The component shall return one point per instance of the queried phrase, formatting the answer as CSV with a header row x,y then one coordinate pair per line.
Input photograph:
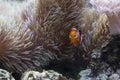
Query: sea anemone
x,y
35,32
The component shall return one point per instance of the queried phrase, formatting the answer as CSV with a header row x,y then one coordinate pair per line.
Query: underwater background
x,y
59,40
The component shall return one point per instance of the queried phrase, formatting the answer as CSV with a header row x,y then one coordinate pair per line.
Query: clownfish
x,y
75,37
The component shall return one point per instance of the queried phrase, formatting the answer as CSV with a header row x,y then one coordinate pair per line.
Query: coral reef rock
x,y
87,75
114,77
45,75
5,75
105,62
110,53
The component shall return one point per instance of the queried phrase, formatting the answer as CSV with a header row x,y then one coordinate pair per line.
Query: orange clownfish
x,y
75,37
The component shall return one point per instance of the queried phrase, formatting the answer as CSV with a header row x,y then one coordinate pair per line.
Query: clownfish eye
x,y
74,36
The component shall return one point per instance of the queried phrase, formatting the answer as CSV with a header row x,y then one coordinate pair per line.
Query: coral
x,y
34,75
45,75
5,75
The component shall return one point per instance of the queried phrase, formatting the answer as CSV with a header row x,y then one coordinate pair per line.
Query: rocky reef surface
x,y
34,75
105,62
